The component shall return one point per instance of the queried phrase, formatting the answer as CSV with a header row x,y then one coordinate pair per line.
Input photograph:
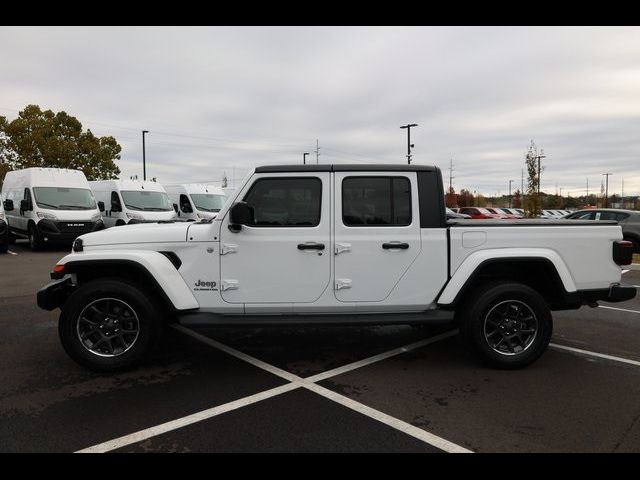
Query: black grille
x,y
75,227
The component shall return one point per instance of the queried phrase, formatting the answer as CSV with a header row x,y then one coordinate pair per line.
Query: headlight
x,y
46,216
96,217
135,216
2,216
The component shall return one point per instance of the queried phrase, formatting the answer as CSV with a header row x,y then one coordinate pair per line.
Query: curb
x,y
633,266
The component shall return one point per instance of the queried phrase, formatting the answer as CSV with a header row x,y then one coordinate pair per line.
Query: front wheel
x,y
508,325
36,241
109,325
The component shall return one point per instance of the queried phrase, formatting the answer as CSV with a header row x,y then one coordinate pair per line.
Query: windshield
x,y
59,198
208,201
147,201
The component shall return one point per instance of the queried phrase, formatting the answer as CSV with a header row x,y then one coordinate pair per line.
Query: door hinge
x,y
229,285
228,248
343,283
342,247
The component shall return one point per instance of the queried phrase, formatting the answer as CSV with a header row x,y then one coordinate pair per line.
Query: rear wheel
x,y
109,325
507,325
4,242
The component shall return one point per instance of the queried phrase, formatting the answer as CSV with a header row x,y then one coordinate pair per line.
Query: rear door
x,y
377,233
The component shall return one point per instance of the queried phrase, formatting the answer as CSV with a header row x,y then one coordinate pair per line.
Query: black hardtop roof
x,y
362,167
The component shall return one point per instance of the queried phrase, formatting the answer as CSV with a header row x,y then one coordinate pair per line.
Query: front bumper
x,y
54,294
615,293
58,231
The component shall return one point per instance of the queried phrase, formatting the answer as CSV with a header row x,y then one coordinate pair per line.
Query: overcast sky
x,y
227,99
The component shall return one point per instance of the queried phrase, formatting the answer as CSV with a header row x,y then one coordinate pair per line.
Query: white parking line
x,y
188,420
619,309
382,356
395,423
12,253
595,354
295,382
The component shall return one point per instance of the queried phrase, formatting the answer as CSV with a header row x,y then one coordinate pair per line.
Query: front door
x,y
284,255
377,233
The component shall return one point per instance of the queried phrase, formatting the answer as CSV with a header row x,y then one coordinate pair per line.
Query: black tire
x,y
4,243
36,240
509,343
150,323
12,238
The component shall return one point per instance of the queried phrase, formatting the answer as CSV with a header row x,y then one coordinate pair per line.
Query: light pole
x,y
304,158
144,159
606,195
510,182
409,144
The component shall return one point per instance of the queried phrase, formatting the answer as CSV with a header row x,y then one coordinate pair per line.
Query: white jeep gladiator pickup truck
x,y
334,244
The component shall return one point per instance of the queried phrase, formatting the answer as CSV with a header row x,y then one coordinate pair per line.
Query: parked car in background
x,y
505,212
49,205
195,201
513,212
4,231
451,214
479,213
132,201
629,220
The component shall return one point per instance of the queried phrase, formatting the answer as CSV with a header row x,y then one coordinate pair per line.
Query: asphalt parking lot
x,y
330,389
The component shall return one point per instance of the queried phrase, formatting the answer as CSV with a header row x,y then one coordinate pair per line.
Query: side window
x,y
585,216
115,200
285,202
185,204
382,201
27,194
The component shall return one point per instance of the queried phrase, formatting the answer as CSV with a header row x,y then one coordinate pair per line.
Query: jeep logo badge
x,y
204,285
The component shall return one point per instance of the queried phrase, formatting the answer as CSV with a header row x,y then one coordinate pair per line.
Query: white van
x,y
132,201
49,205
196,201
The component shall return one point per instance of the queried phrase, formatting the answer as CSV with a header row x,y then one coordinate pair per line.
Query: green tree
x,y
533,205
39,138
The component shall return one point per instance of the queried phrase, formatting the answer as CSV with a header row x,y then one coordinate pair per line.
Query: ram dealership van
x,y
196,201
132,201
4,231
49,205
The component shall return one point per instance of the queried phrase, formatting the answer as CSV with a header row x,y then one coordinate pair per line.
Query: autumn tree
x,y
533,204
451,199
39,138
465,198
517,199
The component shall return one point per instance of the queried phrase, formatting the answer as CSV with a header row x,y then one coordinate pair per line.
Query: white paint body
x,y
261,270
182,193
107,191
19,185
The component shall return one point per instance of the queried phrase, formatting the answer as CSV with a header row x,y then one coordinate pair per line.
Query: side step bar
x,y
209,318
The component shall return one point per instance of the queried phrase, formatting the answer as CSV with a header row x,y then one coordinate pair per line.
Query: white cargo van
x,y
49,205
196,201
132,201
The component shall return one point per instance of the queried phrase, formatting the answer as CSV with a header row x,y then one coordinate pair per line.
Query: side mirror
x,y
175,207
116,207
8,205
241,214
25,205
101,206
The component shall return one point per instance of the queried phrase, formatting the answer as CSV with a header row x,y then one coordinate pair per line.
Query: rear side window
x,y
285,202
617,216
380,201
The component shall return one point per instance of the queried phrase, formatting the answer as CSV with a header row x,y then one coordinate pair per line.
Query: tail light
x,y
622,252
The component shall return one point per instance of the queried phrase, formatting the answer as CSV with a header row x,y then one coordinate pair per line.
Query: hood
x,y
138,233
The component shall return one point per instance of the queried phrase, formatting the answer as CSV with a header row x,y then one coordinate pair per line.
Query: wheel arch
x,y
542,273
152,270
